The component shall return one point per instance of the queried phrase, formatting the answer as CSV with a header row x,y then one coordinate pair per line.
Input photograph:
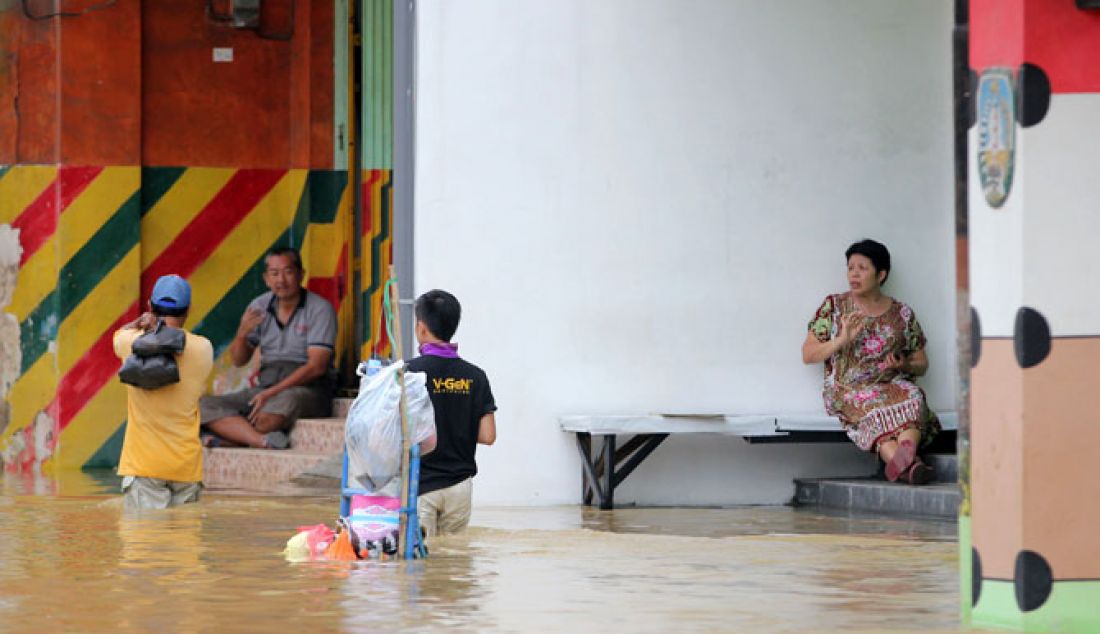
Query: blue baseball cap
x,y
171,292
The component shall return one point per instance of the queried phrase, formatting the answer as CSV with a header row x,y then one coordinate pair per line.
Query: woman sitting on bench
x,y
873,347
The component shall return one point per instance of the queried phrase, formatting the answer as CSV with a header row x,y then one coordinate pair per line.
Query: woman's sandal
x,y
902,460
920,473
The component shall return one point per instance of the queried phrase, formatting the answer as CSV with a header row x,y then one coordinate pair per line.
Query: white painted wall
x,y
640,203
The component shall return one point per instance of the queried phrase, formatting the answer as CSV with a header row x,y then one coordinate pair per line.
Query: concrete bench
x,y
605,468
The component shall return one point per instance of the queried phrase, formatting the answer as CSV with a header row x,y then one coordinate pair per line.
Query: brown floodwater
x,y
73,561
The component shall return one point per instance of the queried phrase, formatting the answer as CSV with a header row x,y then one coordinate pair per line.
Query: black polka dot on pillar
x,y
975,576
975,337
1034,580
1031,337
972,100
1032,95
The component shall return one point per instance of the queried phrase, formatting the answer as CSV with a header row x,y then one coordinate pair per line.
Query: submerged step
x,y
224,466
861,494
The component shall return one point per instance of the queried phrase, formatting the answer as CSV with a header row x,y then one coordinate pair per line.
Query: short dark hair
x,y
165,311
440,312
288,252
876,252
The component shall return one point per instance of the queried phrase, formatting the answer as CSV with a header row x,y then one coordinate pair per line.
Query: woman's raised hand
x,y
850,325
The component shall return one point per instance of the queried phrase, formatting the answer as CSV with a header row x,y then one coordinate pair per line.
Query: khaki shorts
x,y
154,493
292,404
446,511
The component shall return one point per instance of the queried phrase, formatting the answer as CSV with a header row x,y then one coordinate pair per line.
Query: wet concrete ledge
x,y
939,500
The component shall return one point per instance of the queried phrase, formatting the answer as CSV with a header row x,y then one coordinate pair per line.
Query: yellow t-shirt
x,y
162,429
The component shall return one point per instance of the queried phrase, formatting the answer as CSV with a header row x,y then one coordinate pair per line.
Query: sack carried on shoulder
x,y
153,362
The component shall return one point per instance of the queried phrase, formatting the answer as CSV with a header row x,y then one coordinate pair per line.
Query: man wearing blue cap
x,y
161,460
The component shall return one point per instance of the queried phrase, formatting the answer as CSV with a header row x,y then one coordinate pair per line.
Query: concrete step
x,y
331,467
318,435
939,499
323,475
341,405
227,468
945,464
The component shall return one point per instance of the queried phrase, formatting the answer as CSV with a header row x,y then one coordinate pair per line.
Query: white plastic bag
x,y
373,429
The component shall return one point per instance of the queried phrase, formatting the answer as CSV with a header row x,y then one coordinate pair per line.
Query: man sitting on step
x,y
295,331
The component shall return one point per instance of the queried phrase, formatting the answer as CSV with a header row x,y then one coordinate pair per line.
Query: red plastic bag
x,y
318,537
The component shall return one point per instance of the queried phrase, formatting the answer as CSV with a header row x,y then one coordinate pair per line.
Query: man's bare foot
x,y
212,441
276,440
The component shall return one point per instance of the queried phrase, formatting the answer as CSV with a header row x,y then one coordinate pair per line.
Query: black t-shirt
x,y
461,396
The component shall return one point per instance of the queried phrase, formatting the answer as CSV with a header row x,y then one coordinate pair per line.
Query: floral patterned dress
x,y
872,401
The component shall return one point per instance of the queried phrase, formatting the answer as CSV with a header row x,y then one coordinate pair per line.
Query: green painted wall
x,y
377,25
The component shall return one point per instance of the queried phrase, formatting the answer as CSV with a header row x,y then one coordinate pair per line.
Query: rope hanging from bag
x,y
387,309
408,505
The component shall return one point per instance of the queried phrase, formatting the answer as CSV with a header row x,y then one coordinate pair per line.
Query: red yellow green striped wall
x,y
94,240
377,254
77,281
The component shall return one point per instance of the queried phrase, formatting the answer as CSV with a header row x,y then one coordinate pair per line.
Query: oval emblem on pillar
x,y
996,134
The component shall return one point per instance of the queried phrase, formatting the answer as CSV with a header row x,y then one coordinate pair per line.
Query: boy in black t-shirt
x,y
464,418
